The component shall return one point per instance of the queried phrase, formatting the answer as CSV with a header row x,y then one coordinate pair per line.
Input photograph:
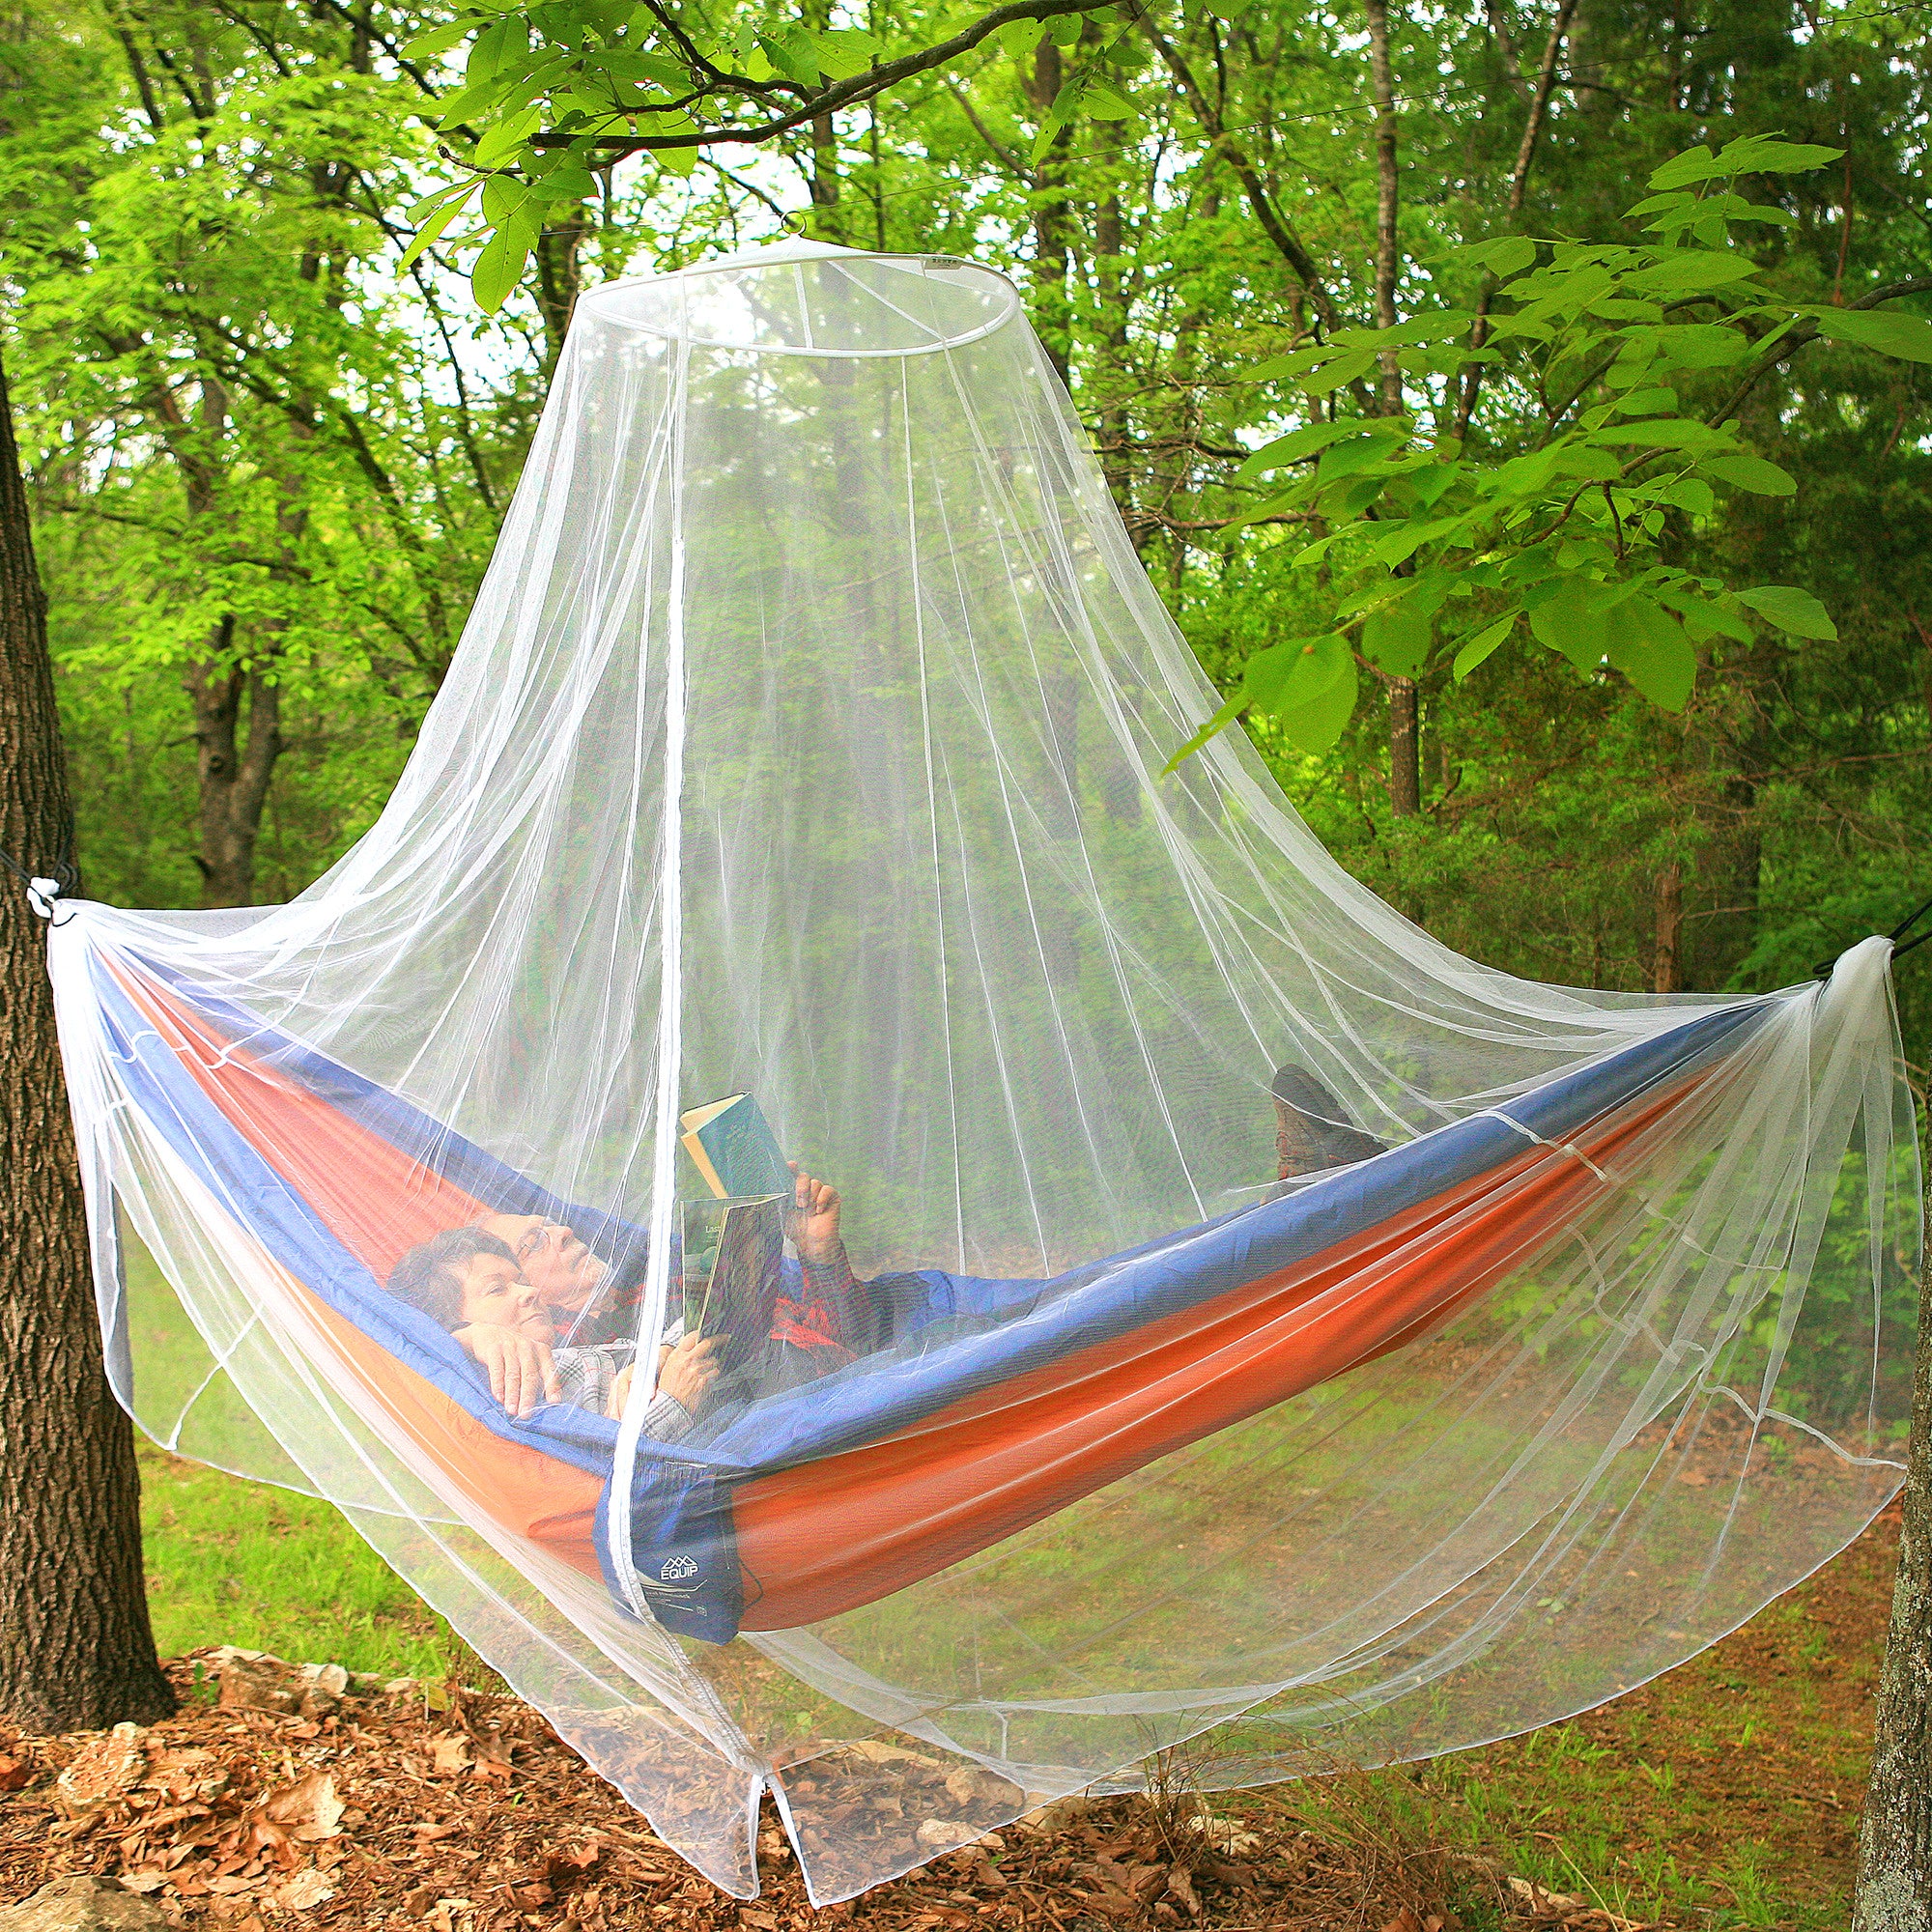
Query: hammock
x,y
806,740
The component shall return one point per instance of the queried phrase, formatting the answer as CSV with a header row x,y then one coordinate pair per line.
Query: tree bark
x,y
1665,975
234,776
1405,748
1403,699
560,278
1894,1881
77,1652
1518,187
1050,252
1110,278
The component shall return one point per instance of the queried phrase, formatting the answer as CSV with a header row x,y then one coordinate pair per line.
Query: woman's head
x,y
467,1276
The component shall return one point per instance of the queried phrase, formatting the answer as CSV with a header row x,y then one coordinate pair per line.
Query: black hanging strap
x,y
1823,969
44,888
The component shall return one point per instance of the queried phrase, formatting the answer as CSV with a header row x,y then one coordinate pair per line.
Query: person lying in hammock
x,y
821,1318
467,1281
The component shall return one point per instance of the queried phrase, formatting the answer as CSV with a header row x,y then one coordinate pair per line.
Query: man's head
x,y
466,1276
562,1270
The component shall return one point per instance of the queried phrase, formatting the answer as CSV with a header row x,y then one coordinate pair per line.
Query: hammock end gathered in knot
x,y
45,896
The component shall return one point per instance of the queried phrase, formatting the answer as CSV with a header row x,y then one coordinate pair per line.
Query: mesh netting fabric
x,y
807,742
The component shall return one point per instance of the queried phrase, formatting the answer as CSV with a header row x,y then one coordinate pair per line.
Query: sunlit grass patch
x,y
231,1561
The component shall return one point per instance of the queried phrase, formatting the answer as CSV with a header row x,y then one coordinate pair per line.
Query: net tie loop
x,y
43,892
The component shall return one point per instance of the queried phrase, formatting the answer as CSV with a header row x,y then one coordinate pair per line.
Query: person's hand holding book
x,y
687,1372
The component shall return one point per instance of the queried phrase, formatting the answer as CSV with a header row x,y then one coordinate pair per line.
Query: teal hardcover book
x,y
735,1148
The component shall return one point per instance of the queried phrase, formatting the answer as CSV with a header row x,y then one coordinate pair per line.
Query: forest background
x,y
269,452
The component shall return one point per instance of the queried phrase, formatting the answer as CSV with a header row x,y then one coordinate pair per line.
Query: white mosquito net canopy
x,y
1241,1321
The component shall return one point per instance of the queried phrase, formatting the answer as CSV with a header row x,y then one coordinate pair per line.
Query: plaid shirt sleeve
x,y
837,1302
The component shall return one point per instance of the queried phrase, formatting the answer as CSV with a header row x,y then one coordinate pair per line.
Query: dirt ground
x,y
356,1805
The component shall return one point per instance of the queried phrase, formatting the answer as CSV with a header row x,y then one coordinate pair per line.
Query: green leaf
x,y
1524,475
1308,686
1352,497
642,67
1397,638
440,39
1662,433
1019,38
1767,155
1593,465
1648,645
1509,256
1296,444
1442,328
506,39
1057,117
846,51
1405,538
1691,271
1432,481
1348,458
1791,609
458,191
1891,332
793,54
460,106
1704,618
499,268
1340,371
428,233
1571,621
1483,644
1220,722
1702,345
1692,165
1103,103
1745,471
1652,203
506,136
1692,494
1645,402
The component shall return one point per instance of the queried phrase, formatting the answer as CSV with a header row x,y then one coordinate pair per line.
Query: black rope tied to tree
x,y
46,888
1823,969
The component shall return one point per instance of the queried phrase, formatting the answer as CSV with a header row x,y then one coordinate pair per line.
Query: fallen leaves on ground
x,y
297,1796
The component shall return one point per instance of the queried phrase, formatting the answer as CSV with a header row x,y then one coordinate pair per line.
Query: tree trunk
x,y
1050,252
560,278
1110,278
77,1652
1666,972
1894,1884
1388,261
234,777
1405,724
1405,748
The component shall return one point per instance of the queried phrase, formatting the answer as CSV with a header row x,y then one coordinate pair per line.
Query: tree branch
x,y
1526,154
1802,337
847,92
1287,244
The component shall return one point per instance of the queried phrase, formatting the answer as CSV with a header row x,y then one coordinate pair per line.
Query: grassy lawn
x,y
236,1562
1725,1794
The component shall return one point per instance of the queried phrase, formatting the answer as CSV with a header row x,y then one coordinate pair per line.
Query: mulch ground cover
x,y
278,1797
